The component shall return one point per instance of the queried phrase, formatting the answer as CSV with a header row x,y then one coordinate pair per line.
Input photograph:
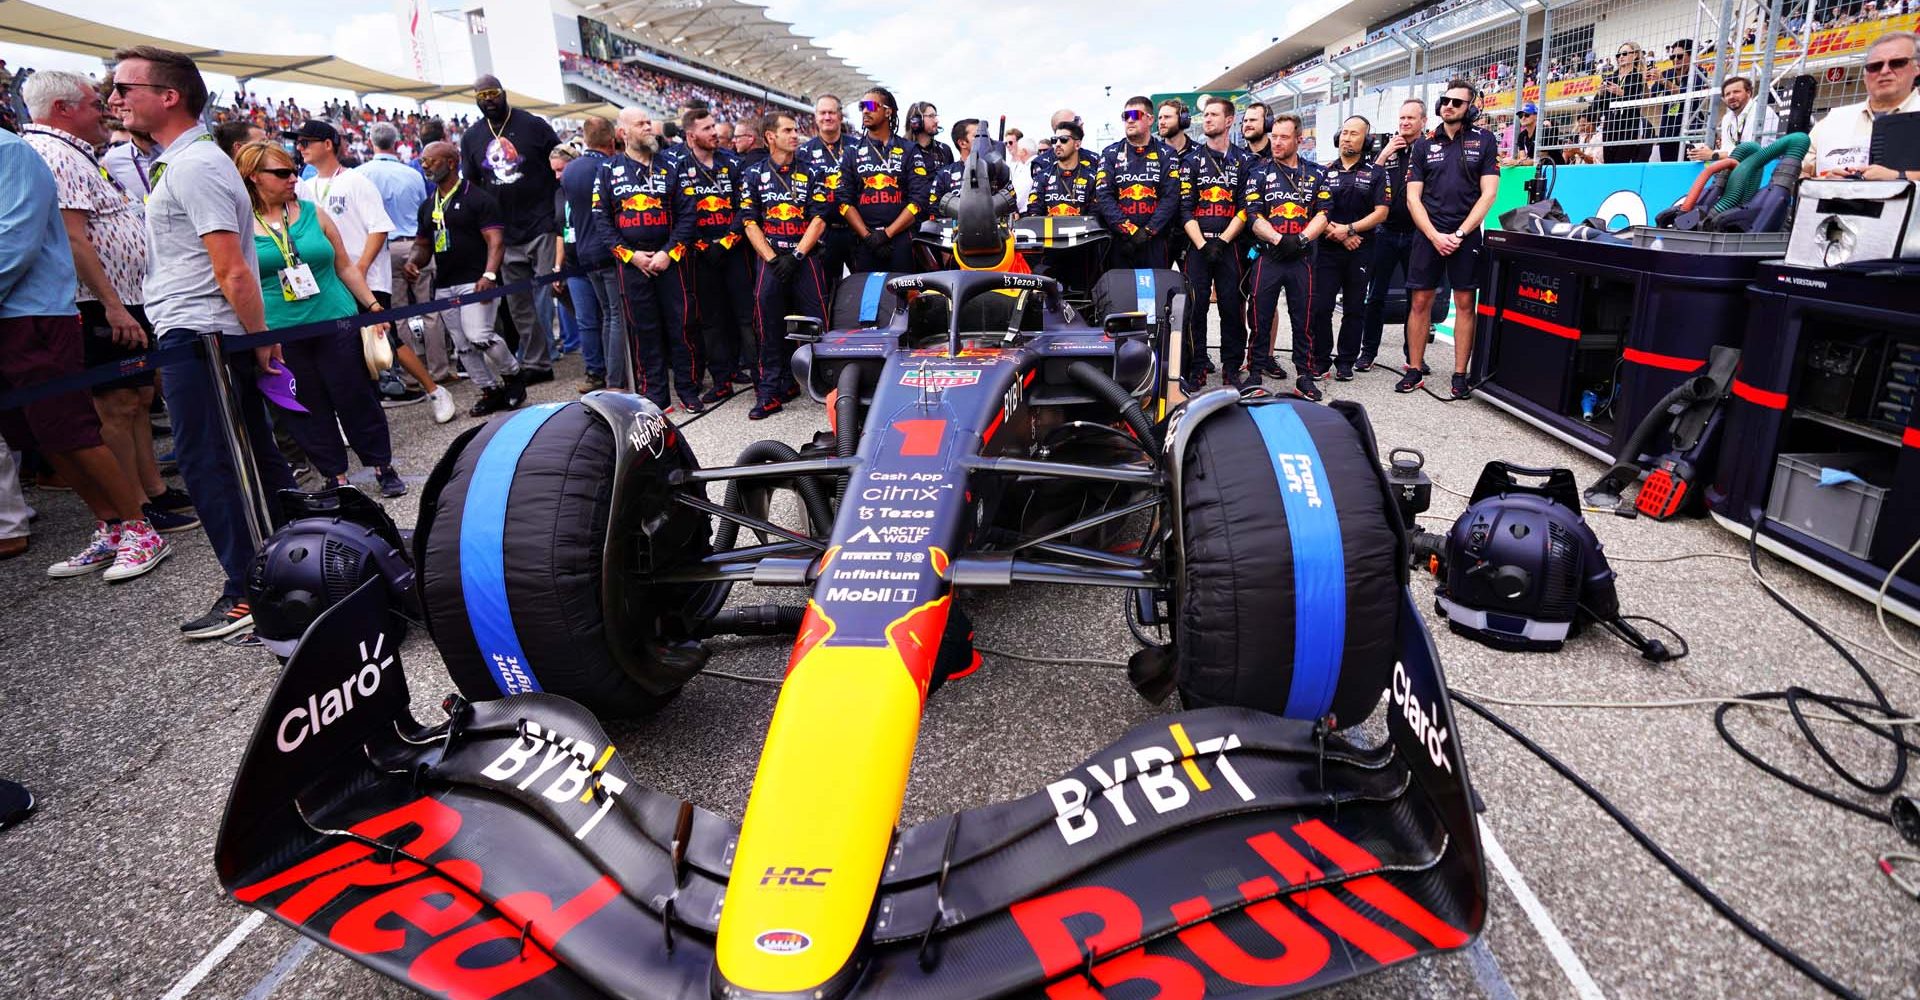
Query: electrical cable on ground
x,y
1679,871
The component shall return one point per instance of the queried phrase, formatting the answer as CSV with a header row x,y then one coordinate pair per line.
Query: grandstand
x,y
661,54
1368,55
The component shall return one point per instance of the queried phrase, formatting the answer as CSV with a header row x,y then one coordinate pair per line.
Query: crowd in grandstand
x,y
664,90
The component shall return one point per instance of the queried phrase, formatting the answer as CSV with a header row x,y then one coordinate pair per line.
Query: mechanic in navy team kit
x,y
822,155
706,225
1064,187
923,130
1450,187
783,206
1356,205
883,188
1213,215
1393,240
1137,190
633,198
1286,204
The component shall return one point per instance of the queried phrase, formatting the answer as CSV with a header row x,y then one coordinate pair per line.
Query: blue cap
x,y
1529,108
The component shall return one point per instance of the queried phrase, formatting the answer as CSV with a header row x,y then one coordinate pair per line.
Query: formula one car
x,y
985,435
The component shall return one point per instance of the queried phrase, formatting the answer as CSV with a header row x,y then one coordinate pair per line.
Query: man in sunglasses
x,y
202,276
1137,190
1842,140
505,154
1451,186
884,185
1213,217
1042,159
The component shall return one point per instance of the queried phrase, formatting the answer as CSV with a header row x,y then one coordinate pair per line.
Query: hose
x,y
1700,183
846,435
1688,392
1100,384
1745,179
812,496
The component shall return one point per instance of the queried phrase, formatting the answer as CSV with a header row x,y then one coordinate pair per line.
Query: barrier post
x,y
1769,40
234,429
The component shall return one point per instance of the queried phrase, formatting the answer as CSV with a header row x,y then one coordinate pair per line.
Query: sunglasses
x,y
122,88
1453,102
304,143
1058,139
489,94
1132,115
1890,65
869,107
284,173
1623,53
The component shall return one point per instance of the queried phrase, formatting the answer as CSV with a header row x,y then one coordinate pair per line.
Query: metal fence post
x,y
1763,81
252,491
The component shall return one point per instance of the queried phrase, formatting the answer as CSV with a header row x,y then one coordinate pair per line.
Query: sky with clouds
x,y
1013,57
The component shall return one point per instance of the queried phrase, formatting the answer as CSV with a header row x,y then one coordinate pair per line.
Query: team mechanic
x,y
1393,240
1451,185
1213,214
706,222
822,155
1356,205
1137,190
883,188
783,208
632,195
1286,201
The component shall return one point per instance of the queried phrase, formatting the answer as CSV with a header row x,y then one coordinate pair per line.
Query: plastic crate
x,y
1842,515
1769,245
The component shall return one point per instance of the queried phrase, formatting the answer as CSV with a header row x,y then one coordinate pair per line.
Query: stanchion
x,y
234,427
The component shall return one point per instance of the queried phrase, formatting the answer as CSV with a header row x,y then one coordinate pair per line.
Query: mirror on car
x,y
1124,325
805,329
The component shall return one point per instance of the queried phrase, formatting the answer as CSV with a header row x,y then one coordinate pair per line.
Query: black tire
x,y
553,537
862,299
1237,617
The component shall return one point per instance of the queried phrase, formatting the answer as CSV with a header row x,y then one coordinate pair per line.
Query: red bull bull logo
x,y
713,203
1136,192
640,203
1291,210
880,182
1063,210
784,210
1214,192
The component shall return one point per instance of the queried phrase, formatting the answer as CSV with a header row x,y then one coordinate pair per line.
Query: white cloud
x,y
992,57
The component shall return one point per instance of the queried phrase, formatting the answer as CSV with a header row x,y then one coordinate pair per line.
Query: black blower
x,y
1520,569
333,541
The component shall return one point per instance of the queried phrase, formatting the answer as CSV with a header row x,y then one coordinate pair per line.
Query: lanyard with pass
x,y
440,241
296,278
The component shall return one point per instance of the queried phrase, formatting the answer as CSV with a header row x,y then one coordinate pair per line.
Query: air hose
x,y
846,432
1745,179
1626,468
1100,384
812,496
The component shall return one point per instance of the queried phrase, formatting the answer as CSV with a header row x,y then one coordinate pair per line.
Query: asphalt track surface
x,y
130,736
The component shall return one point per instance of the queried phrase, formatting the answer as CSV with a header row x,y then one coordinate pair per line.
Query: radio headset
x,y
1185,120
916,123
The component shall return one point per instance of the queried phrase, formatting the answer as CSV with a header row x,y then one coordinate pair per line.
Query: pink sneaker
x,y
98,555
141,549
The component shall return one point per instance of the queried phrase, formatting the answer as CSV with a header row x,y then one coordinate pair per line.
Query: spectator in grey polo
x,y
204,278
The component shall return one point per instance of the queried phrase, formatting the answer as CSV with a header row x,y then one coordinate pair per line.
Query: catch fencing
x,y
1627,80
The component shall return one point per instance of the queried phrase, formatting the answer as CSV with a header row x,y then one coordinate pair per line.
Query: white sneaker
x,y
98,555
141,549
442,400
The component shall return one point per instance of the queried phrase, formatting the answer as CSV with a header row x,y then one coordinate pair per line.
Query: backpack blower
x,y
1521,570
1687,421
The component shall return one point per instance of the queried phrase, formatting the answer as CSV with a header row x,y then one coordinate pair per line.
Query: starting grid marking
x,y
1557,945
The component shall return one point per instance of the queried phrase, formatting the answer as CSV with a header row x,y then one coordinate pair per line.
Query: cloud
x,y
1024,60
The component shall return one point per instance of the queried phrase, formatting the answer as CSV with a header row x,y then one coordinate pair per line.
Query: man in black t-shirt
x,y
505,154
460,226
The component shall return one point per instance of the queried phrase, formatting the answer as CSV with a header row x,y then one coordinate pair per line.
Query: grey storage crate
x,y
1769,245
1843,515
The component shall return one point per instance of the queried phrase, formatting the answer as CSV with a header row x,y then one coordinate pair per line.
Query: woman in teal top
x,y
306,276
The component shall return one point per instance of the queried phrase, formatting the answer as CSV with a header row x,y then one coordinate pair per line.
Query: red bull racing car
x,y
985,433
